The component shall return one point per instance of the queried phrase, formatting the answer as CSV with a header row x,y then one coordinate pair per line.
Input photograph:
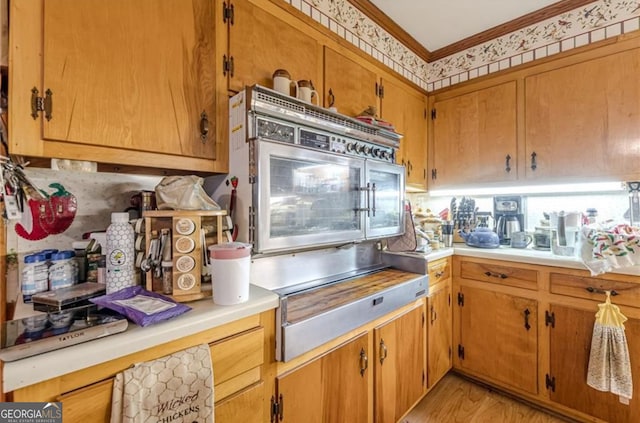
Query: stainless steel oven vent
x,y
266,101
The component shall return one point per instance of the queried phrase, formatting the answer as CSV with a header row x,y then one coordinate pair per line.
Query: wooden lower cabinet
x,y
498,335
239,360
400,366
330,389
439,345
569,349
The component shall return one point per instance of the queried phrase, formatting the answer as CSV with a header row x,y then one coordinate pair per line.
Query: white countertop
x,y
520,255
204,315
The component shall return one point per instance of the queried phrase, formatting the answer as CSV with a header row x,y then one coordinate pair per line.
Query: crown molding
x,y
524,21
380,18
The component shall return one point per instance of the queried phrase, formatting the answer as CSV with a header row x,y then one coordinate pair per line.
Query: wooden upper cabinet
x,y
473,135
406,109
582,120
122,81
124,78
353,85
263,38
400,365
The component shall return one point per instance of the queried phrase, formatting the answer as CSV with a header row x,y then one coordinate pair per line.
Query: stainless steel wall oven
x,y
309,177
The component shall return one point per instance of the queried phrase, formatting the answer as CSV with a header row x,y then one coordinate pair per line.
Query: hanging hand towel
x,y
175,388
609,362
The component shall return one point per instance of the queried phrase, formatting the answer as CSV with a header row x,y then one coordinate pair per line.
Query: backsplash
x,y
97,194
610,206
585,25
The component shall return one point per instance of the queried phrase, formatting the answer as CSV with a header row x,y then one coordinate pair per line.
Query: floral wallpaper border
x,y
593,22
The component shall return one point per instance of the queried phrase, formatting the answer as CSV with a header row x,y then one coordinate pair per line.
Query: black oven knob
x,y
367,150
351,147
360,148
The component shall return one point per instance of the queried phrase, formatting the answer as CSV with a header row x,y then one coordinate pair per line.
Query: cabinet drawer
x,y
88,404
246,406
439,270
500,274
234,356
581,287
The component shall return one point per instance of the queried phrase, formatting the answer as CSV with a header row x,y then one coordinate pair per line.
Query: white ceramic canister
x,y
230,268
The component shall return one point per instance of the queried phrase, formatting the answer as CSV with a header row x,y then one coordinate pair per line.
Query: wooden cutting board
x,y
317,301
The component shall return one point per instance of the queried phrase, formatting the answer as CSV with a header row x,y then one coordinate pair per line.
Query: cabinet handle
x,y
204,126
434,174
434,315
508,163
364,362
534,164
439,274
383,351
527,326
496,275
601,291
331,98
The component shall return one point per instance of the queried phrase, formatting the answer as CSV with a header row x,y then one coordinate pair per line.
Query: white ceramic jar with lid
x,y
230,272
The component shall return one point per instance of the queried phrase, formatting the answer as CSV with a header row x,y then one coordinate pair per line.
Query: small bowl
x,y
35,323
61,319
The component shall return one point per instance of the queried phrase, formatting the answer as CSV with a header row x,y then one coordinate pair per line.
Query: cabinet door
x,y
495,340
130,75
352,85
570,346
473,134
330,389
261,42
582,120
400,374
406,109
439,346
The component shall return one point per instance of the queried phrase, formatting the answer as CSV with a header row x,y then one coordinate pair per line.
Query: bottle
x,y
120,253
35,276
63,271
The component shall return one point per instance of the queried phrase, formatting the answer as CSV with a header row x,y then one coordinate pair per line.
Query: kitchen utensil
x,y
481,237
232,207
520,240
282,82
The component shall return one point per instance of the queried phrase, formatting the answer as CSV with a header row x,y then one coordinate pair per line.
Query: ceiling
x,y
441,24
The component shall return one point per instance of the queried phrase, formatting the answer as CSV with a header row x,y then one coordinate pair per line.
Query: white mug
x,y
282,82
306,92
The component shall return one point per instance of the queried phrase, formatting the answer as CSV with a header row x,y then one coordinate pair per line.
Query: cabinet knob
x,y
534,163
508,163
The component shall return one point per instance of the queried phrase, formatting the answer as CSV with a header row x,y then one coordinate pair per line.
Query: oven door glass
x,y
306,198
386,199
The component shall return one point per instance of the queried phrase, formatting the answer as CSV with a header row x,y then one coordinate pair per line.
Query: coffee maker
x,y
508,214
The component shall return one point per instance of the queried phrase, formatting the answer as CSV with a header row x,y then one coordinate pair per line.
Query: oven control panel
x,y
344,145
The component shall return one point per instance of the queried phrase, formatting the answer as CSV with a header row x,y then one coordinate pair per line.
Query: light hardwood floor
x,y
457,400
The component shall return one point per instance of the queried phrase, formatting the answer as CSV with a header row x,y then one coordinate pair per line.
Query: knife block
x,y
190,234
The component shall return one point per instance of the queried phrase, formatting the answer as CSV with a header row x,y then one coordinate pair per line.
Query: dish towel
x,y
175,388
609,362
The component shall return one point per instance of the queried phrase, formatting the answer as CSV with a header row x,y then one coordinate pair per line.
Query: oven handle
x,y
373,202
368,208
